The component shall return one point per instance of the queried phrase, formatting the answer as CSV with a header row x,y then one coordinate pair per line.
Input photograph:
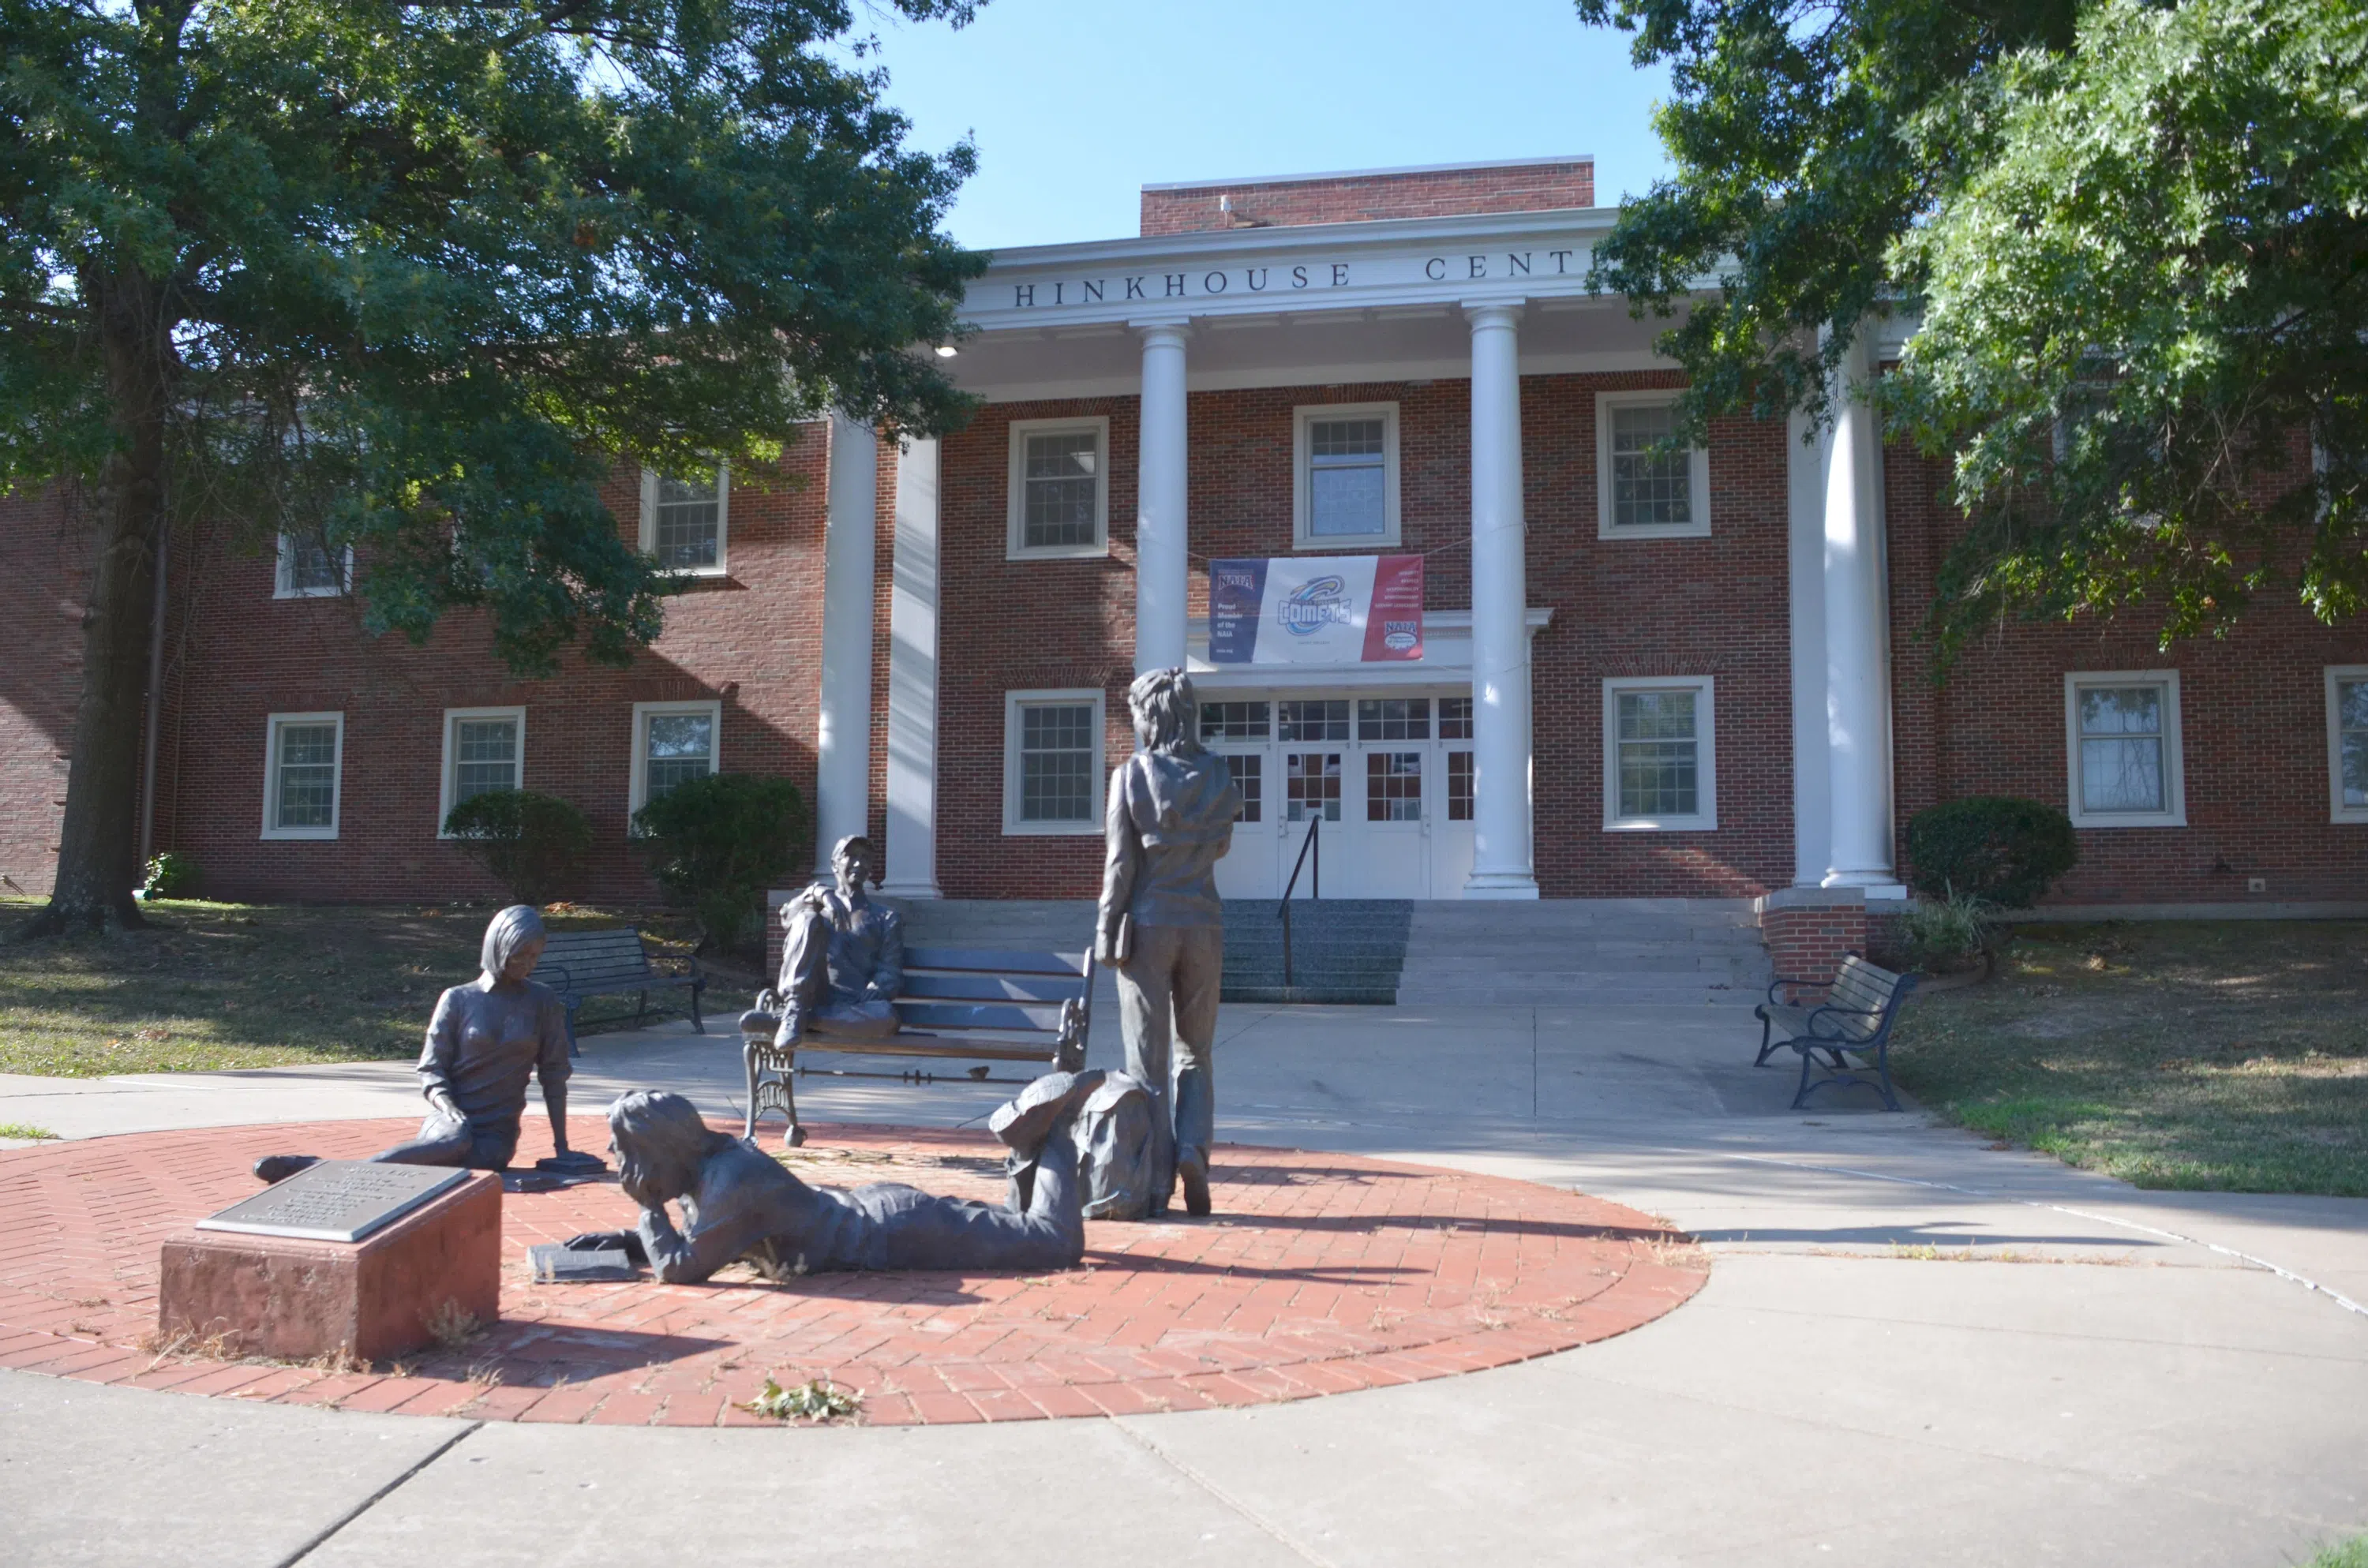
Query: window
x,y
303,754
685,521
1454,718
309,569
1059,489
484,750
1233,722
673,743
1394,719
1313,719
1459,786
1659,755
1393,786
1052,762
1310,785
2122,749
1248,771
1641,494
1346,490
2347,740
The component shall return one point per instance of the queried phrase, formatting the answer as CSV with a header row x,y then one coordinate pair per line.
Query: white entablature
x,y
1363,265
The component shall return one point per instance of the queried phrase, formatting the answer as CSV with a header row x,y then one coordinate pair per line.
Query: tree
x,y
412,275
2135,233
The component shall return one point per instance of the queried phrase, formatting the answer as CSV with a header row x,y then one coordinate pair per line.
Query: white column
x,y
1813,810
1500,643
1160,571
912,870
843,738
1857,645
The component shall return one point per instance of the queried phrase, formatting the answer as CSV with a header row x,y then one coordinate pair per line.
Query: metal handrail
x,y
1307,846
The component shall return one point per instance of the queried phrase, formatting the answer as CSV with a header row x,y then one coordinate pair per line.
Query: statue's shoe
x,y
1025,1120
274,1168
1192,1170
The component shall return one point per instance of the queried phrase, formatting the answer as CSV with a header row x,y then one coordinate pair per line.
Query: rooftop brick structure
x,y
1539,186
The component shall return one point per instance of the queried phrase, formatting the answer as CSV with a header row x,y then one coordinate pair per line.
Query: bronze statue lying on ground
x,y
739,1203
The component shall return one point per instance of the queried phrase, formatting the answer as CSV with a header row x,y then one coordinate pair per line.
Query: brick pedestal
x,y
1809,931
372,1299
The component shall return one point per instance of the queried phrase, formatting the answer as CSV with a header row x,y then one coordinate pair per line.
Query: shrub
x,y
717,843
1990,847
1944,931
532,843
170,875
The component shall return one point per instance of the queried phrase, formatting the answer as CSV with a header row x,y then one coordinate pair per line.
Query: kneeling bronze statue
x,y
740,1204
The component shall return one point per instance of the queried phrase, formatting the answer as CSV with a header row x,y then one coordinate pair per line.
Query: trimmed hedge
x,y
717,843
534,845
1993,847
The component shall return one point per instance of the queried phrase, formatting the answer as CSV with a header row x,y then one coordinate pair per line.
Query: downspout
x,y
155,699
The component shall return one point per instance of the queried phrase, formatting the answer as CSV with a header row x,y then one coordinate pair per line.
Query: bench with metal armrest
x,y
577,964
1854,1020
966,1004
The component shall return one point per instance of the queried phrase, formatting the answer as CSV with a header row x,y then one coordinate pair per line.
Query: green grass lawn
x,y
2221,1055
216,985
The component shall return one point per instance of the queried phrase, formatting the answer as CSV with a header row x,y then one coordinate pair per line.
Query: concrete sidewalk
x,y
1911,1349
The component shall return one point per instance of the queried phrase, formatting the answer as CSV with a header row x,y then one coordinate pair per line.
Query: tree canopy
x,y
412,275
2133,236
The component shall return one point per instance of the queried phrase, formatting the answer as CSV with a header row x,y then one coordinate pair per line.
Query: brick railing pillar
x,y
1809,931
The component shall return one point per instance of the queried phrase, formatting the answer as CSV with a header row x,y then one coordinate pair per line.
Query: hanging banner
x,y
1326,609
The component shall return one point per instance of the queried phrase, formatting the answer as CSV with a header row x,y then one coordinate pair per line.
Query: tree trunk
x,y
98,845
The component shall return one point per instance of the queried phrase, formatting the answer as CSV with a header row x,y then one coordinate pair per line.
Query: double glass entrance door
x,y
1390,778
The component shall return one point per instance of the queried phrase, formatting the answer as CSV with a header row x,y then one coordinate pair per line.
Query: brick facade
x,y
1349,198
44,572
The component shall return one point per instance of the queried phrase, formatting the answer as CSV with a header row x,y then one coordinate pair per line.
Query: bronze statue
x,y
842,964
739,1203
484,1041
1171,815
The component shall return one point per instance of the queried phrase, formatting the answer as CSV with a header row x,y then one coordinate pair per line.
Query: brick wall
x,y
750,638
2253,717
1808,932
44,576
1713,605
1421,193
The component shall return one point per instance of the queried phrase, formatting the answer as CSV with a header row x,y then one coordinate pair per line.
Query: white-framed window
x,y
2121,749
1345,475
686,522
307,568
1053,779
2347,742
673,743
303,758
1639,492
1660,755
1059,489
484,750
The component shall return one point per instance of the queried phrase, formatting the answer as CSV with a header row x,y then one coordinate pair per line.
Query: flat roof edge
x,y
1588,158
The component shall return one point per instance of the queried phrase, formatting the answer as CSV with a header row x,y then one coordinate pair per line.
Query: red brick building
x,y
1637,676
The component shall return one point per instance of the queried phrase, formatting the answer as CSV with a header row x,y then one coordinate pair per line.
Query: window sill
x,y
1652,530
1051,830
308,593
1336,544
299,834
1662,825
2174,819
1057,551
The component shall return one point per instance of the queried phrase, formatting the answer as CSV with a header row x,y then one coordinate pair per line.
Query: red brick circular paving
x,y
1319,1274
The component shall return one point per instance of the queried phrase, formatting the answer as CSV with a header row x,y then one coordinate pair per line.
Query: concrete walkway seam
x,y
1284,1538
373,1501
2337,1297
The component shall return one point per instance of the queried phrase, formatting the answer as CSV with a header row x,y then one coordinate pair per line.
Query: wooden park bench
x,y
1854,1020
577,964
967,1003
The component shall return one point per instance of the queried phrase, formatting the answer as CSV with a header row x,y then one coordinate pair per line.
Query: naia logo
x,y
1315,604
1399,636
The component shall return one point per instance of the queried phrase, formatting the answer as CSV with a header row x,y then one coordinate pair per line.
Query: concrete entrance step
x,y
1584,952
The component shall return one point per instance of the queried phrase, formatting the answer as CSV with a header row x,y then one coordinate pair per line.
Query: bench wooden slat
x,y
995,987
995,961
979,1016
943,1046
1855,1016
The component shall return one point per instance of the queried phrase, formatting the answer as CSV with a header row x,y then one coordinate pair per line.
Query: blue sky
x,y
1077,105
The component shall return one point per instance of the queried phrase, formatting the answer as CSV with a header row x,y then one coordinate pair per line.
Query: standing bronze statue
x,y
842,964
1172,806
484,1040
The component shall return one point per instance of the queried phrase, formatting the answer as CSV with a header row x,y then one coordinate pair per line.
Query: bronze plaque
x,y
336,1200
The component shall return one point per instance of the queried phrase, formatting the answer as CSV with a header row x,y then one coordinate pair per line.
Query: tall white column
x,y
1813,808
1500,645
843,738
1160,570
912,870
1857,644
